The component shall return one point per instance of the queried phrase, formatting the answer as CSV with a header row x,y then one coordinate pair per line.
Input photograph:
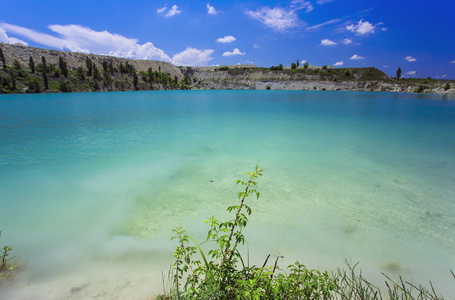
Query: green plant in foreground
x,y
7,264
225,276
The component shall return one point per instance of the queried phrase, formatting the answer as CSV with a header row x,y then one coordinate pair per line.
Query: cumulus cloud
x,y
35,36
77,38
327,42
363,27
235,52
411,73
410,59
357,57
4,38
338,64
275,18
347,41
173,11
280,19
226,39
193,57
211,10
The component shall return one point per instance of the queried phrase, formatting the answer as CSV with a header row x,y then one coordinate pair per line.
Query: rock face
x,y
314,78
74,59
252,77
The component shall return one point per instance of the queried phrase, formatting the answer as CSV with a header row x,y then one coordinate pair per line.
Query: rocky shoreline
x,y
17,76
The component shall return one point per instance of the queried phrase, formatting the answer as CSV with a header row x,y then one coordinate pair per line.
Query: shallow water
x,y
92,184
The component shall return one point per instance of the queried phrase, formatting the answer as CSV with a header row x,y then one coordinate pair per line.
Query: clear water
x,y
92,184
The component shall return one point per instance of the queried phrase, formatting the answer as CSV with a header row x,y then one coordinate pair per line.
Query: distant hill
x,y
78,72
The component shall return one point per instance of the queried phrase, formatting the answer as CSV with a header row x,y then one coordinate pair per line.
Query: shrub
x,y
34,85
446,86
421,88
224,278
8,264
279,68
17,65
64,86
222,274
80,72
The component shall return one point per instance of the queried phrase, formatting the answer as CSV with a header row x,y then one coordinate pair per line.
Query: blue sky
x,y
416,35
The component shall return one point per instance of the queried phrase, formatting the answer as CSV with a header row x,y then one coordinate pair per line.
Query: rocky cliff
x,y
311,78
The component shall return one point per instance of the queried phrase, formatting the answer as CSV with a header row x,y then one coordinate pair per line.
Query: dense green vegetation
x,y
46,77
222,272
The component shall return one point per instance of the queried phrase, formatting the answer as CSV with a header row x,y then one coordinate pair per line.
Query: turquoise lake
x,y
91,184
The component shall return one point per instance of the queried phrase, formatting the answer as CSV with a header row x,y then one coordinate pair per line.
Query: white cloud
x,y
235,52
211,10
275,18
35,36
363,27
303,61
410,59
4,38
319,26
226,39
386,66
443,76
452,62
83,39
161,10
192,57
411,73
357,57
301,4
338,64
327,42
255,46
145,51
280,19
173,11
347,41
320,2
76,38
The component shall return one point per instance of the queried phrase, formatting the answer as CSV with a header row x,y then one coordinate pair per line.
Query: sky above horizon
x,y
415,35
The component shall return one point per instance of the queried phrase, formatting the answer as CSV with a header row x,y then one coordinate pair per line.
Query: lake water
x,y
91,184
